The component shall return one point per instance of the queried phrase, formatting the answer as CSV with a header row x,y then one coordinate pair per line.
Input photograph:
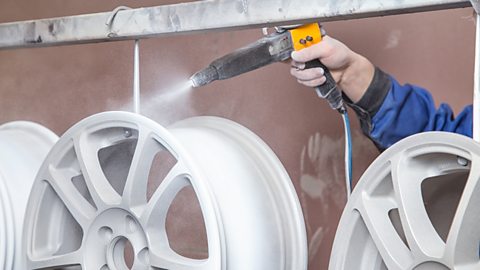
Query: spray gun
x,y
272,48
277,47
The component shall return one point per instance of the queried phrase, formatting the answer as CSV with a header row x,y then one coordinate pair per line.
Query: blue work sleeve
x,y
389,112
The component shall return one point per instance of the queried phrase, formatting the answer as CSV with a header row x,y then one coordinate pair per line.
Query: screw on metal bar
x,y
309,38
111,18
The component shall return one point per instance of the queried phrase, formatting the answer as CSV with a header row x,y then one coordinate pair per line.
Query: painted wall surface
x,y
59,86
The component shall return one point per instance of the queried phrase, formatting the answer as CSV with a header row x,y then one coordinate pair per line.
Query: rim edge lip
x,y
32,128
8,230
3,240
40,133
407,144
243,135
346,224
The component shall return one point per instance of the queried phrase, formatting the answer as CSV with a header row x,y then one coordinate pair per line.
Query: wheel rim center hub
x,y
116,241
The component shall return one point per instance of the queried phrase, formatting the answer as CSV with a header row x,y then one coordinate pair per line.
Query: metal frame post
x,y
476,79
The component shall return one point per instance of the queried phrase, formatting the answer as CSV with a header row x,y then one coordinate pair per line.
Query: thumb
x,y
313,52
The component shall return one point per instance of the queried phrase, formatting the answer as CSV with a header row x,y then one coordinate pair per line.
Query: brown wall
x,y
59,86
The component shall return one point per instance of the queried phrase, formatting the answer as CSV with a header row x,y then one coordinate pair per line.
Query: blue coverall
x,y
389,112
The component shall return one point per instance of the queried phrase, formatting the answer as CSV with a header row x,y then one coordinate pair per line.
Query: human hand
x,y
352,72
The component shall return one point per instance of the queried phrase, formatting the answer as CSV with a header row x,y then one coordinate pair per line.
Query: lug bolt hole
x,y
105,233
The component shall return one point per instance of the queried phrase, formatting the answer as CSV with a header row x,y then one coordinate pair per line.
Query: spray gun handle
x,y
329,89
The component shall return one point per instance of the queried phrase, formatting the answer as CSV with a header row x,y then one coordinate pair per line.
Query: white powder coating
x,y
401,214
23,146
246,197
159,102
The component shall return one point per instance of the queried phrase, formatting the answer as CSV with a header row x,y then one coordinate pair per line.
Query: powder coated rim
x,y
366,237
6,231
271,185
23,146
281,231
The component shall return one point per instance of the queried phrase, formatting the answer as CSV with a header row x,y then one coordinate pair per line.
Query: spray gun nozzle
x,y
204,76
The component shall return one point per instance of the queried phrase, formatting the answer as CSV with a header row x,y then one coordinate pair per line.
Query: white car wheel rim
x,y
367,236
23,146
106,218
6,231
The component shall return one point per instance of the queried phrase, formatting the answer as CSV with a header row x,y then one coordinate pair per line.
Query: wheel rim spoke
x,y
82,211
65,260
156,209
136,184
100,189
464,236
374,212
421,236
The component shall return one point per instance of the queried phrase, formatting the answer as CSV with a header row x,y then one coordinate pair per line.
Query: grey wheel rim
x,y
271,236
422,236
23,146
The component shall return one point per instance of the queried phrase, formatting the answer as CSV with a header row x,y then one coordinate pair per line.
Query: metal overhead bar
x,y
200,16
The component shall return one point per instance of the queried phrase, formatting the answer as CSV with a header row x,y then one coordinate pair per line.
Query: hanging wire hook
x,y
111,18
136,59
